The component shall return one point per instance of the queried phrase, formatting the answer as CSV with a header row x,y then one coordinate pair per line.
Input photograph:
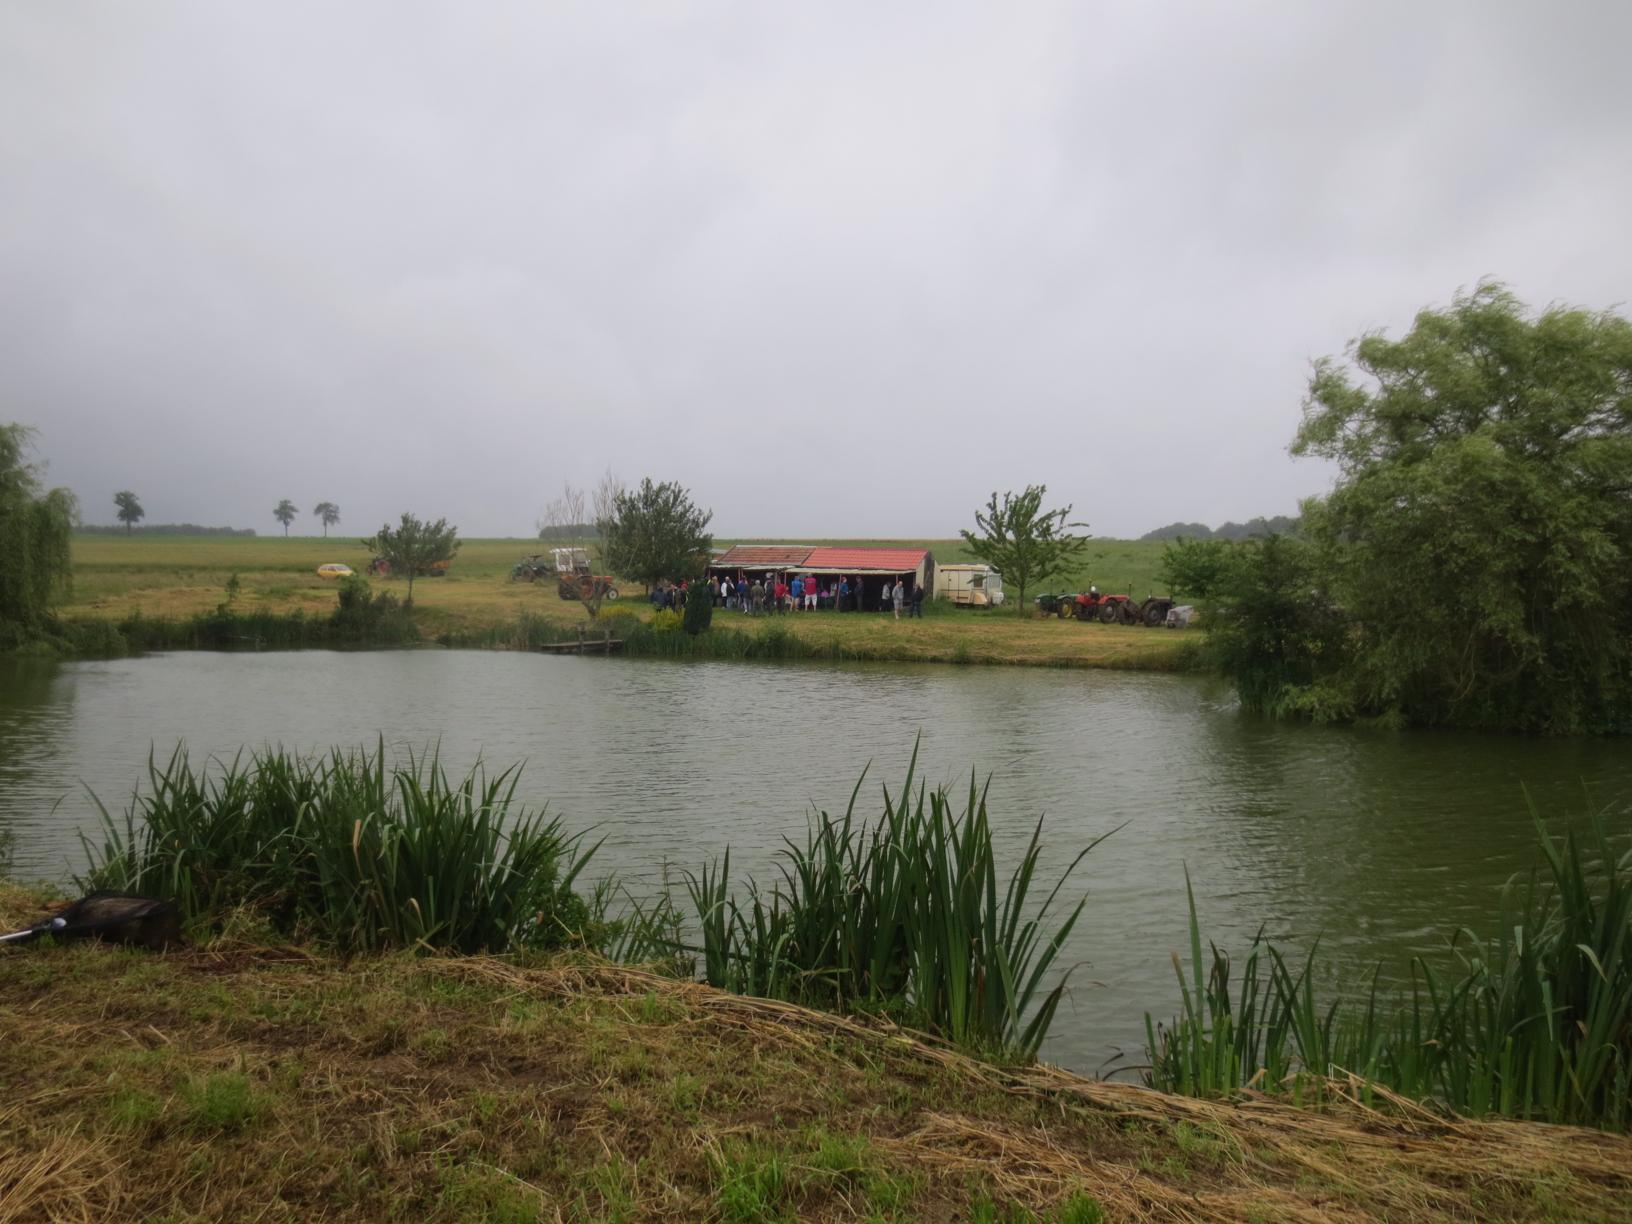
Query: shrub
x,y
1533,1024
699,610
666,620
906,916
359,854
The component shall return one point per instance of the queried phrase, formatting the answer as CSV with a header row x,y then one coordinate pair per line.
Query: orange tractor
x,y
573,579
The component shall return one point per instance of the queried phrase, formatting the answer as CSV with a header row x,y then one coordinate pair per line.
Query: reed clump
x,y
1534,1021
355,852
909,916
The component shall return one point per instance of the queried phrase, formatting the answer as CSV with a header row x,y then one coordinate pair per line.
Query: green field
x,y
116,577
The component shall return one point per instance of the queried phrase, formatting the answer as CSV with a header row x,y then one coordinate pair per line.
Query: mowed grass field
x,y
178,576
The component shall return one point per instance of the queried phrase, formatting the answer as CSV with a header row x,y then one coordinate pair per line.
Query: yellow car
x,y
334,570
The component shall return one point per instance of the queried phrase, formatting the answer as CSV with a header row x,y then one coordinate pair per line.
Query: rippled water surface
x,y
1379,843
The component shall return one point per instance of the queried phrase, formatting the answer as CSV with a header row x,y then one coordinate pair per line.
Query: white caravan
x,y
974,586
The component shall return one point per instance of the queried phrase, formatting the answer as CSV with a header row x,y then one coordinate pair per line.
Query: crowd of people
x,y
762,594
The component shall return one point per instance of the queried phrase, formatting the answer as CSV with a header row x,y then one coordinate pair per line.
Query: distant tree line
x,y
1252,529
567,531
163,529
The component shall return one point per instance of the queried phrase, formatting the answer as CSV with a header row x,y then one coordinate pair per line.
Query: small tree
x,y
1024,542
328,513
130,510
655,533
285,513
562,523
414,546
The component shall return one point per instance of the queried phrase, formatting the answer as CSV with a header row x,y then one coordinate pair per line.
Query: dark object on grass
x,y
115,917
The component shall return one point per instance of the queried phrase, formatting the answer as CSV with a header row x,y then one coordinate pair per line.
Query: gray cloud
x,y
842,269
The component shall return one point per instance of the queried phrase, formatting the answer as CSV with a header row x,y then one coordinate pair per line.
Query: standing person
x,y
742,593
898,595
844,594
811,589
797,590
918,600
757,591
782,595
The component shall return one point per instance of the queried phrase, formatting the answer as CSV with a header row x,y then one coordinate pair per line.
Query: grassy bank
x,y
942,636
243,1080
164,592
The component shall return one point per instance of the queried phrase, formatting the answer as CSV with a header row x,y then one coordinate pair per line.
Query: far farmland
x,y
163,576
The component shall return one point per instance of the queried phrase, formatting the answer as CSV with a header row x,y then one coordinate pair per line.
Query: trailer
x,y
969,586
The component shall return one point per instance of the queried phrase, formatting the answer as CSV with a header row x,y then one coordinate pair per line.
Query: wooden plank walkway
x,y
605,644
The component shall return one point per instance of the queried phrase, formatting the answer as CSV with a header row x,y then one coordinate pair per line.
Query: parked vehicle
x,y
1060,604
532,568
334,569
1122,609
573,577
969,586
1180,617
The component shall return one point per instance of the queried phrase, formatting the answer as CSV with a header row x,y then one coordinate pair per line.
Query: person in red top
x,y
781,594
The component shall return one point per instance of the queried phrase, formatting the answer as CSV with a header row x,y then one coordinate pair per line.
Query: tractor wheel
x,y
1155,613
1107,614
1128,613
611,592
1064,609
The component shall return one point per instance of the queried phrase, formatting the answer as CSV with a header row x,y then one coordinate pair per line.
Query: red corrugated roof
x,y
764,554
895,560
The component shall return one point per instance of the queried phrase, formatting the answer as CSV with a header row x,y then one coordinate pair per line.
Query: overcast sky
x,y
841,269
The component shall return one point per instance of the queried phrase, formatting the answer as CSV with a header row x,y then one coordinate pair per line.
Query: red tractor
x,y
1117,609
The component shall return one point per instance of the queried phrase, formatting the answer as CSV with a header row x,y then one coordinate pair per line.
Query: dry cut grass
x,y
240,1081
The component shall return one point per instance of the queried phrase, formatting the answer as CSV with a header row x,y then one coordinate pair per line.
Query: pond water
x,y
1378,843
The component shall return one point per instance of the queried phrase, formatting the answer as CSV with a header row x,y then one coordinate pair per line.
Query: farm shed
x,y
870,568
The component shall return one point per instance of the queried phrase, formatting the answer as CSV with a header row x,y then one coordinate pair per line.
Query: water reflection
x,y
1375,841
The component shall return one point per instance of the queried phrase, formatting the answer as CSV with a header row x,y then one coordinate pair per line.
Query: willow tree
x,y
34,530
1479,536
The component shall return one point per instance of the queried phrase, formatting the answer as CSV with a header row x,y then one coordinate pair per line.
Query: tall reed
x,y
1534,1022
350,850
908,915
